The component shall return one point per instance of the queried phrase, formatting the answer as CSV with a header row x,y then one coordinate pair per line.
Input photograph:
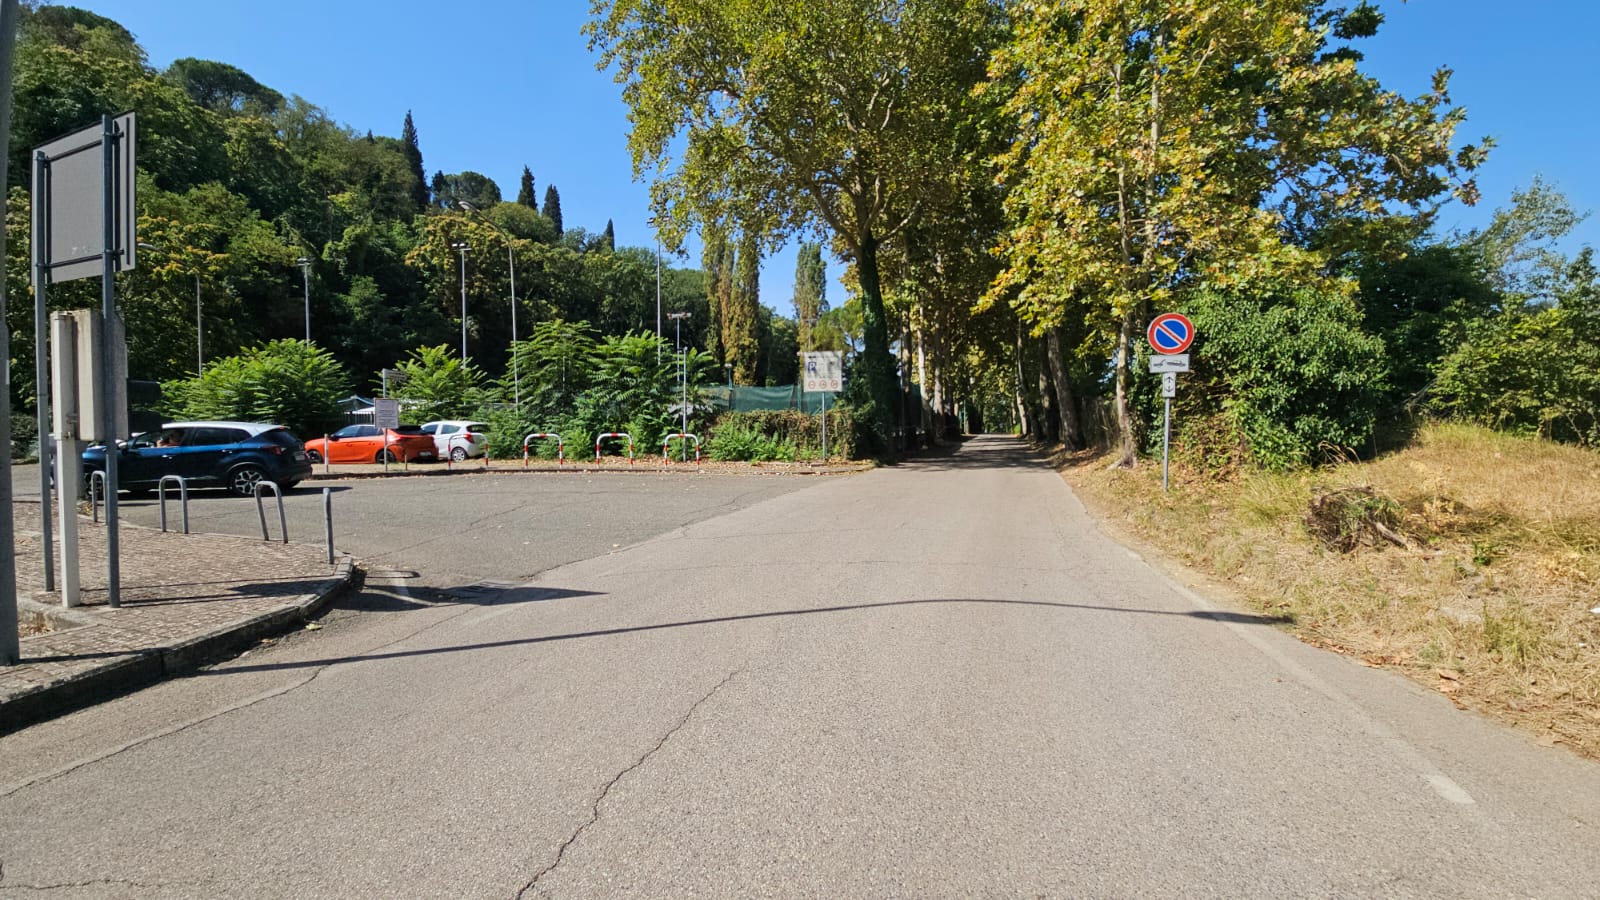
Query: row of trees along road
x,y
1016,188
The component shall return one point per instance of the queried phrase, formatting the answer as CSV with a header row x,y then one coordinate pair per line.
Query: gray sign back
x,y
69,224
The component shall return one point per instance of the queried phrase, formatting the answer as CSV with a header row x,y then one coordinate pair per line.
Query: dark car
x,y
234,455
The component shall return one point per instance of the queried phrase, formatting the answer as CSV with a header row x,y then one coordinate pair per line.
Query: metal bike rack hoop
x,y
283,520
561,455
599,438
183,498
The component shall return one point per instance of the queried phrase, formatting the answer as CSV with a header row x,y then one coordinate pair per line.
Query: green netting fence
x,y
750,399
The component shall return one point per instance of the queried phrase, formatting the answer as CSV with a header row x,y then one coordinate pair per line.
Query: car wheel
x,y
243,480
313,456
388,455
458,453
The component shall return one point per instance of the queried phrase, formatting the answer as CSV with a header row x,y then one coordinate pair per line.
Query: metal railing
x,y
183,499
283,519
681,436
561,453
97,492
604,436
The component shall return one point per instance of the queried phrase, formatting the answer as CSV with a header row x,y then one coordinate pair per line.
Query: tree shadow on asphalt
x,y
530,594
988,452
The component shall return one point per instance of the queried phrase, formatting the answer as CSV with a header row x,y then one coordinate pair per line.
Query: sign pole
x,y
10,639
1166,440
108,310
41,354
824,428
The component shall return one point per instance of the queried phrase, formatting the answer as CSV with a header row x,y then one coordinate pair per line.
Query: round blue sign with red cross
x,y
1170,333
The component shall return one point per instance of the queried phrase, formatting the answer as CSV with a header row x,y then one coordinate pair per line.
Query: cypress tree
x,y
441,189
810,289
525,192
610,237
552,207
742,334
408,138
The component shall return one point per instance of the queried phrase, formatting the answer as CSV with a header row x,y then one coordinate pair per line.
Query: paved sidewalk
x,y
186,598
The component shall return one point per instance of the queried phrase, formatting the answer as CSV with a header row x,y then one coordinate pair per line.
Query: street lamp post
x,y
305,282
683,376
511,263
461,248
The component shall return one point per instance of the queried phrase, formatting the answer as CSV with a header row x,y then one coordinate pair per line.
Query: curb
x,y
141,669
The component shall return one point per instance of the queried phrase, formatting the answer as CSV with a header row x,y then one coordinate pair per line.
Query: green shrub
x,y
800,433
286,382
1290,367
742,442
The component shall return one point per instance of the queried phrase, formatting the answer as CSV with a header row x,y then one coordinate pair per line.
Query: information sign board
x,y
386,412
823,371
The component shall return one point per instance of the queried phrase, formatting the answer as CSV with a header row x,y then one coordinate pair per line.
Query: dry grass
x,y
1491,606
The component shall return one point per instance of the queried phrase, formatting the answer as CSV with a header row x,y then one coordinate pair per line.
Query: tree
x,y
525,190
1534,370
831,114
608,240
1161,146
289,382
438,384
413,152
478,190
437,188
225,89
552,207
810,289
741,333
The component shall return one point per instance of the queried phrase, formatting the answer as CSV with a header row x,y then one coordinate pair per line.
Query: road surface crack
x,y
594,809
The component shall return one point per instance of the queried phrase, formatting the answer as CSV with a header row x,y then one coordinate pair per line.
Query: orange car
x,y
369,443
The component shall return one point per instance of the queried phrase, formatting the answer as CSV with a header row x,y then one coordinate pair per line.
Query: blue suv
x,y
234,455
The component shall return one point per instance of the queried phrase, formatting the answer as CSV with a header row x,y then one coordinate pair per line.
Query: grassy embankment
x,y
1475,568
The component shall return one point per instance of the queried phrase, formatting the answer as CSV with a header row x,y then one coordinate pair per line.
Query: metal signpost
x,y
823,372
1170,334
83,225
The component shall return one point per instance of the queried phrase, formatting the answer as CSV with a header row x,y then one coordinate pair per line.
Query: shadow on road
x,y
557,593
982,452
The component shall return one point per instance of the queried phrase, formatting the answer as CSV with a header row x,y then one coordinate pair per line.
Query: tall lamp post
x,y
305,282
511,263
683,376
461,248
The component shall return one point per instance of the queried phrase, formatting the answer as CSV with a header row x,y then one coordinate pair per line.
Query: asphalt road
x,y
936,679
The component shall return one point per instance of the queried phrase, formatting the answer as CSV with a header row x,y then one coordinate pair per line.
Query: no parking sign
x,y
1170,333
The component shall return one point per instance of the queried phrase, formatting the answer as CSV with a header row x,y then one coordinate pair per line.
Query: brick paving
x,y
183,596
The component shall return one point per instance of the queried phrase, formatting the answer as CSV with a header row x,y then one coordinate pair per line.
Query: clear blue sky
x,y
497,84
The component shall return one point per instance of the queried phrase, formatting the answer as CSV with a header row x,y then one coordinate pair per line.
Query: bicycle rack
x,y
283,520
561,455
97,492
684,436
612,434
183,499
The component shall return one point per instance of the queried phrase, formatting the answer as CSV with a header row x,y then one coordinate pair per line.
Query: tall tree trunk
x,y
1025,417
876,363
1071,432
1051,432
924,388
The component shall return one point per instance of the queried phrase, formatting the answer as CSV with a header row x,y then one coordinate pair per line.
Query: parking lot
x,y
504,523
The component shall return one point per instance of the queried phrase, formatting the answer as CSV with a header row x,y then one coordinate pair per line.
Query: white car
x,y
457,439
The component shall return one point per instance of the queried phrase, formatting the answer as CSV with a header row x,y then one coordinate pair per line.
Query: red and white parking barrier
x,y
561,453
612,434
681,436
